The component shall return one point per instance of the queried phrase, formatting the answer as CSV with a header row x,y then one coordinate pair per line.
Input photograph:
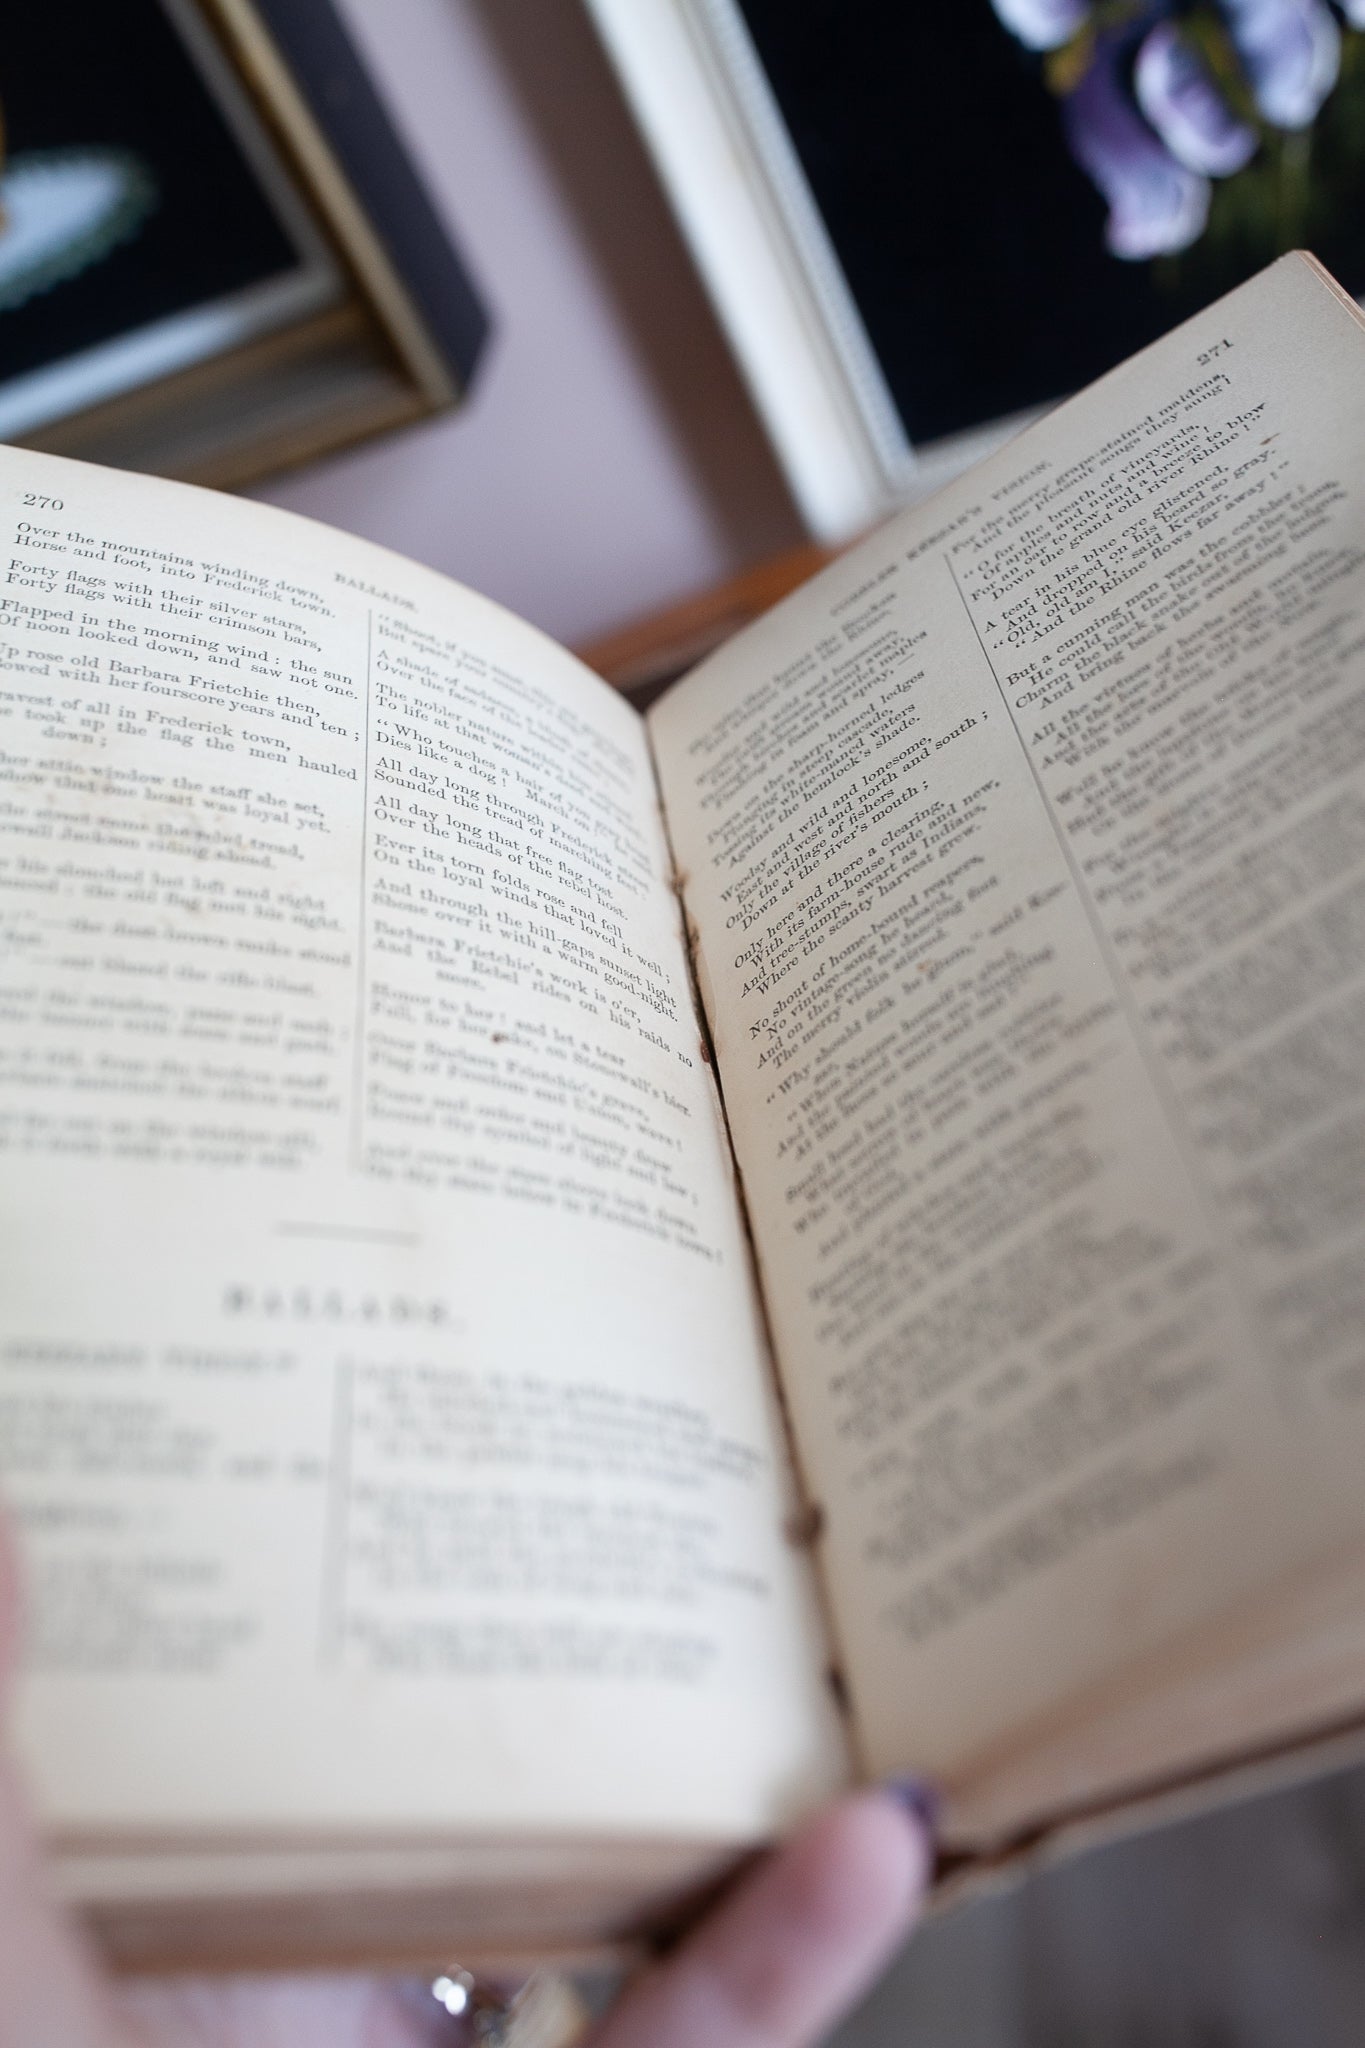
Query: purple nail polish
x,y
920,1800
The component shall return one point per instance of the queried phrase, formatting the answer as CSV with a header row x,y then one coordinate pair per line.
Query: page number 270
x,y
44,504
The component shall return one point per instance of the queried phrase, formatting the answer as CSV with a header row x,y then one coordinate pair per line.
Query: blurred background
x,y
601,305
1244,1928
607,460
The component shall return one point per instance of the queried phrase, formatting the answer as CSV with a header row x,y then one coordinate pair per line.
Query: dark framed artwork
x,y
215,256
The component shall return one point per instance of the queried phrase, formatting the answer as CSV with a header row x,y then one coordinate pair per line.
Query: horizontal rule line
x,y
355,1232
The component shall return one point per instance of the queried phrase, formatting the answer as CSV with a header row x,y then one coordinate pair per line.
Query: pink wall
x,y
608,460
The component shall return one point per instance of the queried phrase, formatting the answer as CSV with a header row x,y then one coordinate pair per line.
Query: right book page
x,y
1025,851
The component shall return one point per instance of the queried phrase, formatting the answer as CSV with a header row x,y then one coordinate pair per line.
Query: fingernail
x,y
920,1800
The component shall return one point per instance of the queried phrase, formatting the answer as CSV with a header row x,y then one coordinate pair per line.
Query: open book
x,y
473,1484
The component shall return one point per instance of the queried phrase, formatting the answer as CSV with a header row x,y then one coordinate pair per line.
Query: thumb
x,y
795,1945
51,1994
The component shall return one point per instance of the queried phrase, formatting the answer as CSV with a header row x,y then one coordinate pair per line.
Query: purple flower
x,y
1185,107
1157,205
1291,52
1148,121
1043,24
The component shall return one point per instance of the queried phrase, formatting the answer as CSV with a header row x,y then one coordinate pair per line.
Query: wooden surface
x,y
1243,1929
644,656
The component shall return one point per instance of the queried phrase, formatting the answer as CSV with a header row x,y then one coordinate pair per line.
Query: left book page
x,y
382,1401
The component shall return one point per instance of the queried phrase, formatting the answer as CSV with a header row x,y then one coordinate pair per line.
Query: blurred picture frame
x,y
216,258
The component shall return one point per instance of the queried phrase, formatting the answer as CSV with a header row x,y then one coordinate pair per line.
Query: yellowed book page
x,y
1280,1676
1027,853
381,1400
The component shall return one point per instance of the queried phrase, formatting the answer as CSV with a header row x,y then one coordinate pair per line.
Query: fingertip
x,y
920,1800
873,1855
797,1942
917,1807
852,1883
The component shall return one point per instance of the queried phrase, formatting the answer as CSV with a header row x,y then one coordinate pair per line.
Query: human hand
x,y
1156,101
773,1967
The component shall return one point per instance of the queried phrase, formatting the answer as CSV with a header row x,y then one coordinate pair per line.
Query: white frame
x,y
699,93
